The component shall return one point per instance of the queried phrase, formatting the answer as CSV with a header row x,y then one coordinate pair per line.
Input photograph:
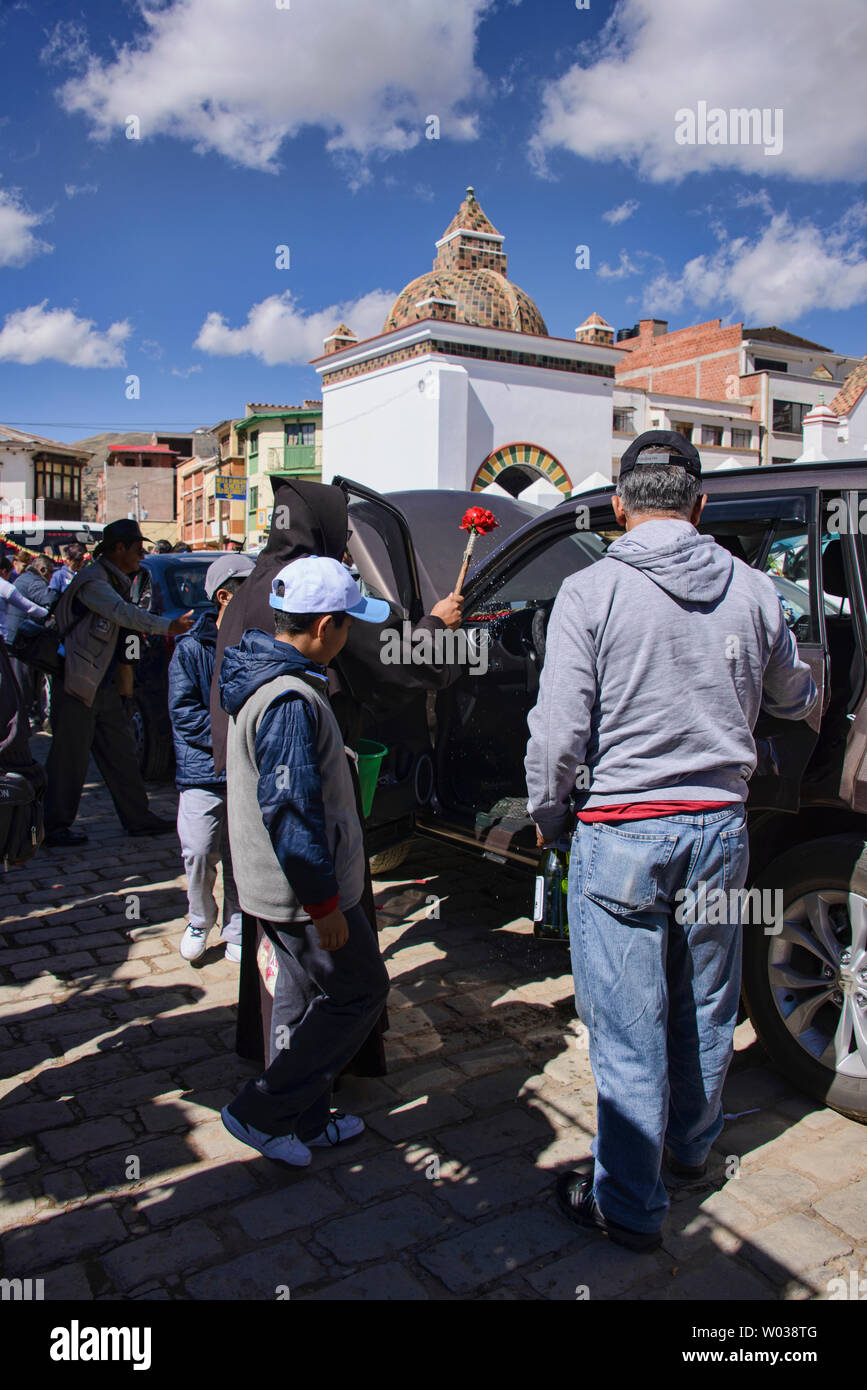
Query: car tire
x,y
389,859
154,755
821,881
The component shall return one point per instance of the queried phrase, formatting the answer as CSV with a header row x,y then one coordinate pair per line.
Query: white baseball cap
x,y
317,584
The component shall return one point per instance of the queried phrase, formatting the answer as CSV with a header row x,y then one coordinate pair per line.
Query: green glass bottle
x,y
550,915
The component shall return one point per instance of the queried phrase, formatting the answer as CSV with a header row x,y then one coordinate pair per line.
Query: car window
x,y
538,578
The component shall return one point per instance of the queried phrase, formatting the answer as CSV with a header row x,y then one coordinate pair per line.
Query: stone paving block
x,y
491,1057
17,1205
124,1096
426,1077
721,1280
15,1163
157,1159
18,1061
370,1177
57,965
422,1116
381,1230
770,1191
719,1219
201,1189
847,1210
496,1088
793,1244
171,1052
490,1250
214,1141
389,1282
13,955
567,1151
33,1118
299,1201
837,1160
69,1284
476,1192
88,1024
490,1135
58,1237
101,1069
87,1136
606,1271
259,1275
192,1244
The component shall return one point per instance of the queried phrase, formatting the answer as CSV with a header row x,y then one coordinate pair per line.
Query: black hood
x,y
308,519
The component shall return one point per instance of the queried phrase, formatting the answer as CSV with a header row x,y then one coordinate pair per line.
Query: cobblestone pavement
x,y
119,1180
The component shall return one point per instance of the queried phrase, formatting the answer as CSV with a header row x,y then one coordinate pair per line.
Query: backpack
x,y
22,813
38,645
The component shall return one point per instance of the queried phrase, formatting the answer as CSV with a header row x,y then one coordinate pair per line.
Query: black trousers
x,y
325,1004
104,730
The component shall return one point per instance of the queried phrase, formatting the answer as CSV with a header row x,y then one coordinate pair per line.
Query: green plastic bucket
x,y
370,756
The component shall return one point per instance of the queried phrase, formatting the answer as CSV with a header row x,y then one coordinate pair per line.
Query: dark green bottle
x,y
550,916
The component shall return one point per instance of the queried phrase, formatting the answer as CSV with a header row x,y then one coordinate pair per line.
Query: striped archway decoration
x,y
531,456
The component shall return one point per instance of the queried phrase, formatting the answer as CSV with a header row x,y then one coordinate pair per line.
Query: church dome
x,y
468,283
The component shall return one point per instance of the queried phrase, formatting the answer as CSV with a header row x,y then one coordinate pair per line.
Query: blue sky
x,y
304,125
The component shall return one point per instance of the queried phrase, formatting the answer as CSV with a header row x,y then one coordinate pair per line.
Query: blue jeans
x,y
657,986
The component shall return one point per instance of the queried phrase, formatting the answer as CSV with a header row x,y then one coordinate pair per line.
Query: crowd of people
x,y
641,746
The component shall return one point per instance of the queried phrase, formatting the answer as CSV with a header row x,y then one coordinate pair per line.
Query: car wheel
x,y
152,752
806,985
389,859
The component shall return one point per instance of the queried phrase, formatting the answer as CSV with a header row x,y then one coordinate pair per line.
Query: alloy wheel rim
x,y
817,968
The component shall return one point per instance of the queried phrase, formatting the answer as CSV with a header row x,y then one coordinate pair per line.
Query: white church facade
x,y
464,386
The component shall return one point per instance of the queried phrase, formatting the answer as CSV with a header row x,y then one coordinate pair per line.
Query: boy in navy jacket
x,y
299,855
202,819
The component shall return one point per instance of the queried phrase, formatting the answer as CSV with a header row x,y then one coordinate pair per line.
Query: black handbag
x,y
22,814
37,645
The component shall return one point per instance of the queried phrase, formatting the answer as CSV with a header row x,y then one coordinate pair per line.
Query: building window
x,y
198,506
254,442
769,364
683,427
212,506
623,422
711,435
789,416
188,511
56,481
254,498
742,439
301,433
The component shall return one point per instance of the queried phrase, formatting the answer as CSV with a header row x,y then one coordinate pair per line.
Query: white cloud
x,y
653,59
621,213
276,331
37,334
18,245
75,190
784,272
185,371
238,79
67,44
626,266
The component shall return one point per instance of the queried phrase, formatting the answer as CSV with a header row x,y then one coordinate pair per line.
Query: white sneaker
x,y
339,1128
283,1147
194,942
233,952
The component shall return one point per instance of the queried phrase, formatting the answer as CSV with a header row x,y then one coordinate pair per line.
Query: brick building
x,y
779,375
139,480
277,441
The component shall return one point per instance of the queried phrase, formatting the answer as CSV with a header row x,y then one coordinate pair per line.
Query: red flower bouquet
x,y
477,522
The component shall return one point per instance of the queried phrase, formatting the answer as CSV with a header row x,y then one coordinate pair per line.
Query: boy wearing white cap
x,y
202,824
299,858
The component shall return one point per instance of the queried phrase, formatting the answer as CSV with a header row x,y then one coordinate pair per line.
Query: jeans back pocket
x,y
624,868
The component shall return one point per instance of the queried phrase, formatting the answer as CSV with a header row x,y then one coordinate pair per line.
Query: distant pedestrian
x,y
75,558
162,547
237,546
181,548
202,822
87,711
13,599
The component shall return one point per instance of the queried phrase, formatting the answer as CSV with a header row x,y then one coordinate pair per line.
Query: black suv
x,y
454,770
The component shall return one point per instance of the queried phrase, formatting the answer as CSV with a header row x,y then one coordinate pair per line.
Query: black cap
x,y
126,530
661,446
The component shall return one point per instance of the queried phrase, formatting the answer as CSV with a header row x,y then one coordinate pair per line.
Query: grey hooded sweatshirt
x,y
656,661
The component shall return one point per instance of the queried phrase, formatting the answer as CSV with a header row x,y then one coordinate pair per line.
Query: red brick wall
x,y
683,363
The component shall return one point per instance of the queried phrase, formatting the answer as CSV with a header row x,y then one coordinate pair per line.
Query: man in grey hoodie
x,y
658,659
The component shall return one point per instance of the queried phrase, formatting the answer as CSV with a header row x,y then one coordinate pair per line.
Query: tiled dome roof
x,y
468,283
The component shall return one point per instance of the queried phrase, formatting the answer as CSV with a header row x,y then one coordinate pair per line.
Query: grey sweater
x,y
656,661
